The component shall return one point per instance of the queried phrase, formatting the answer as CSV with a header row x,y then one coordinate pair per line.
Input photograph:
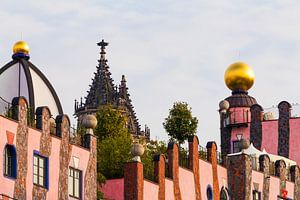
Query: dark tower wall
x,y
256,125
284,128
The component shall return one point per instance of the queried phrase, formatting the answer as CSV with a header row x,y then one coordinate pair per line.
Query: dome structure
x,y
239,76
22,78
21,47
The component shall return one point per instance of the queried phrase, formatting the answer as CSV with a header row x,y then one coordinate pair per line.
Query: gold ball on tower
x,y
239,76
21,47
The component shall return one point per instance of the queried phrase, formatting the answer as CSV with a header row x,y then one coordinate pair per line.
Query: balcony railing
x,y
237,118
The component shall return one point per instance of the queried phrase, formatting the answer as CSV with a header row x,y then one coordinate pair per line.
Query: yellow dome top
x,y
239,76
21,47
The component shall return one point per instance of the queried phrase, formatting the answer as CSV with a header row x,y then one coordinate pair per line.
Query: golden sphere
x,y
21,47
239,76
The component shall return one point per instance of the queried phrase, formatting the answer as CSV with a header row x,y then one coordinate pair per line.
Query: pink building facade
x,y
41,162
245,119
207,177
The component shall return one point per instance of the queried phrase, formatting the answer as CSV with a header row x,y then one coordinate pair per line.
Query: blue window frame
x,y
10,161
209,193
40,170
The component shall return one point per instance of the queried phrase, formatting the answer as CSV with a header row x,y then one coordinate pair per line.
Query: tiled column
x,y
284,128
239,174
295,176
264,167
173,162
20,106
90,178
63,128
280,171
43,123
256,126
212,158
159,172
194,163
133,181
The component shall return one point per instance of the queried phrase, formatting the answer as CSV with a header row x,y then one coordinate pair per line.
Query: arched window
x,y
209,193
224,194
10,161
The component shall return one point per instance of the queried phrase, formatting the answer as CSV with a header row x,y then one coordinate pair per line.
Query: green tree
x,y
113,152
180,123
152,148
110,122
113,144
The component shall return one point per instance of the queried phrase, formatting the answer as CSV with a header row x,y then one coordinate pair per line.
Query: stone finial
x,y
223,106
137,150
244,144
89,122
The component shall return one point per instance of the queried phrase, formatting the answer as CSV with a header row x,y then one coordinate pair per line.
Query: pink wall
x,y
114,189
240,115
169,189
294,152
257,177
186,183
222,177
274,187
6,184
206,177
290,188
54,171
270,136
34,144
150,190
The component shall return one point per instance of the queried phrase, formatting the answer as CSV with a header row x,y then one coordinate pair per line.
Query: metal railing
x,y
237,117
149,172
219,158
167,172
202,152
183,158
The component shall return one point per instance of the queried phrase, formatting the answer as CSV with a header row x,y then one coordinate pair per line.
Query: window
x,y
209,193
74,183
256,195
236,146
224,194
40,170
10,161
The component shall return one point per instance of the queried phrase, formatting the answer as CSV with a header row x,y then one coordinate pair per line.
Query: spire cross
x,y
102,44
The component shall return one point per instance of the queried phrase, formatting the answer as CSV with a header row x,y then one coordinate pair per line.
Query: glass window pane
x,y
41,180
70,186
41,162
35,160
76,188
35,170
41,171
76,174
35,179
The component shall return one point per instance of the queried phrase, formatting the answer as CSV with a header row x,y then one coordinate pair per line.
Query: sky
x,y
168,50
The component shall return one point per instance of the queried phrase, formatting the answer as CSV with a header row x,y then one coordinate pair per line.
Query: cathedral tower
x,y
103,92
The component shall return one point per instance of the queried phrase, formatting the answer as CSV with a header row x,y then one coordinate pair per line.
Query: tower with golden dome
x,y
20,77
235,109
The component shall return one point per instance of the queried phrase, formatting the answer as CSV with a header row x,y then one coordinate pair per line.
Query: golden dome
x,y
21,47
239,76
